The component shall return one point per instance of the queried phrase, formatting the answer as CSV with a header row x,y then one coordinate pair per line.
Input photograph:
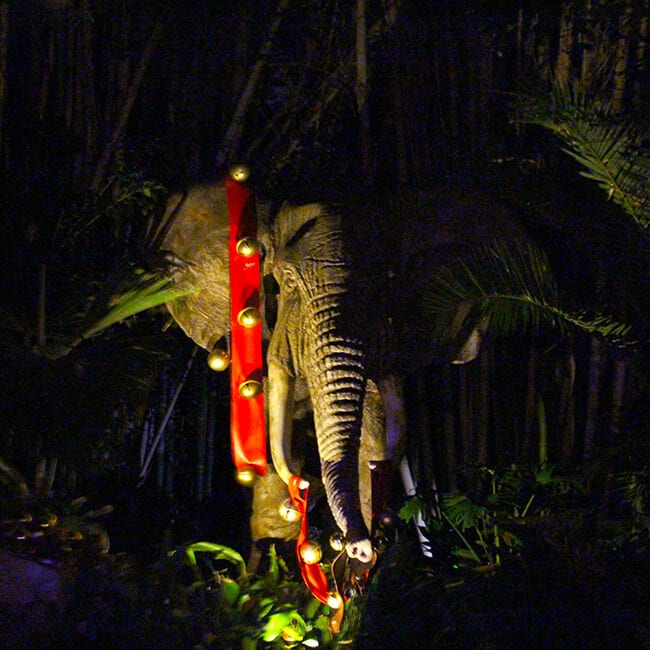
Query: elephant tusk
x,y
281,399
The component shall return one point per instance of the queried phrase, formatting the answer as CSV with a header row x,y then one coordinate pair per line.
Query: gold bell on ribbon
x,y
246,476
337,542
310,552
250,388
247,246
218,359
288,511
249,317
334,600
239,173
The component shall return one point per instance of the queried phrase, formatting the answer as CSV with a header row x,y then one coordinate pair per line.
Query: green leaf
x,y
150,291
280,621
504,288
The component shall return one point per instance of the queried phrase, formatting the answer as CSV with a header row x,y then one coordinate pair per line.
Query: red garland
x,y
312,574
247,427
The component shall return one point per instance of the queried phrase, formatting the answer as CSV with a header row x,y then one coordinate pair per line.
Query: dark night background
x,y
106,106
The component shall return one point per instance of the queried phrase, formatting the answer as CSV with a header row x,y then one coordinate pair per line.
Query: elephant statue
x,y
350,274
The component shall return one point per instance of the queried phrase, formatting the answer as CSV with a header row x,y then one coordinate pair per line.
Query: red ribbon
x,y
247,427
312,574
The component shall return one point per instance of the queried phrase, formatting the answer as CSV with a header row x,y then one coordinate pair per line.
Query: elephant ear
x,y
198,235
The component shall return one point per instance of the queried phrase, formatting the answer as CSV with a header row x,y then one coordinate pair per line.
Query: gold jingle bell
x,y
311,552
334,600
288,511
249,317
247,246
250,388
239,173
218,359
246,476
337,542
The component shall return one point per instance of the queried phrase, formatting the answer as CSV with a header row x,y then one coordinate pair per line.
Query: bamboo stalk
x,y
344,70
622,53
4,39
567,408
565,46
641,48
593,395
361,88
483,424
163,425
618,394
134,86
235,129
448,427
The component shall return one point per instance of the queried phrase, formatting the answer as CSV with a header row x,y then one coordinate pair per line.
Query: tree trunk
x,y
593,396
543,432
567,408
641,48
331,90
361,89
565,47
4,40
201,435
527,445
618,394
210,450
586,69
118,131
483,424
448,425
232,138
398,116
423,432
622,53
465,414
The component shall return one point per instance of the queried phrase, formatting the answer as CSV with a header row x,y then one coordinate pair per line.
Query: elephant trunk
x,y
337,382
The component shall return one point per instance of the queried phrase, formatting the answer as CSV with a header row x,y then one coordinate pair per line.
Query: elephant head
x,y
349,277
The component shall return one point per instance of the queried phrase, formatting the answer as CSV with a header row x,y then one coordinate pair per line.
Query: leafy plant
x,y
484,521
611,149
507,288
35,523
233,610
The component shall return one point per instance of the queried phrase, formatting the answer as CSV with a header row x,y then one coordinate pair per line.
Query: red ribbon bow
x,y
312,574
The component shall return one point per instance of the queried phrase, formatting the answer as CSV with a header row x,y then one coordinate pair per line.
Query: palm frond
x,y
136,294
149,292
613,150
510,288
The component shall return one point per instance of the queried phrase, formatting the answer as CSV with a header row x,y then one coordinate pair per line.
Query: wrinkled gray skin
x,y
351,277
